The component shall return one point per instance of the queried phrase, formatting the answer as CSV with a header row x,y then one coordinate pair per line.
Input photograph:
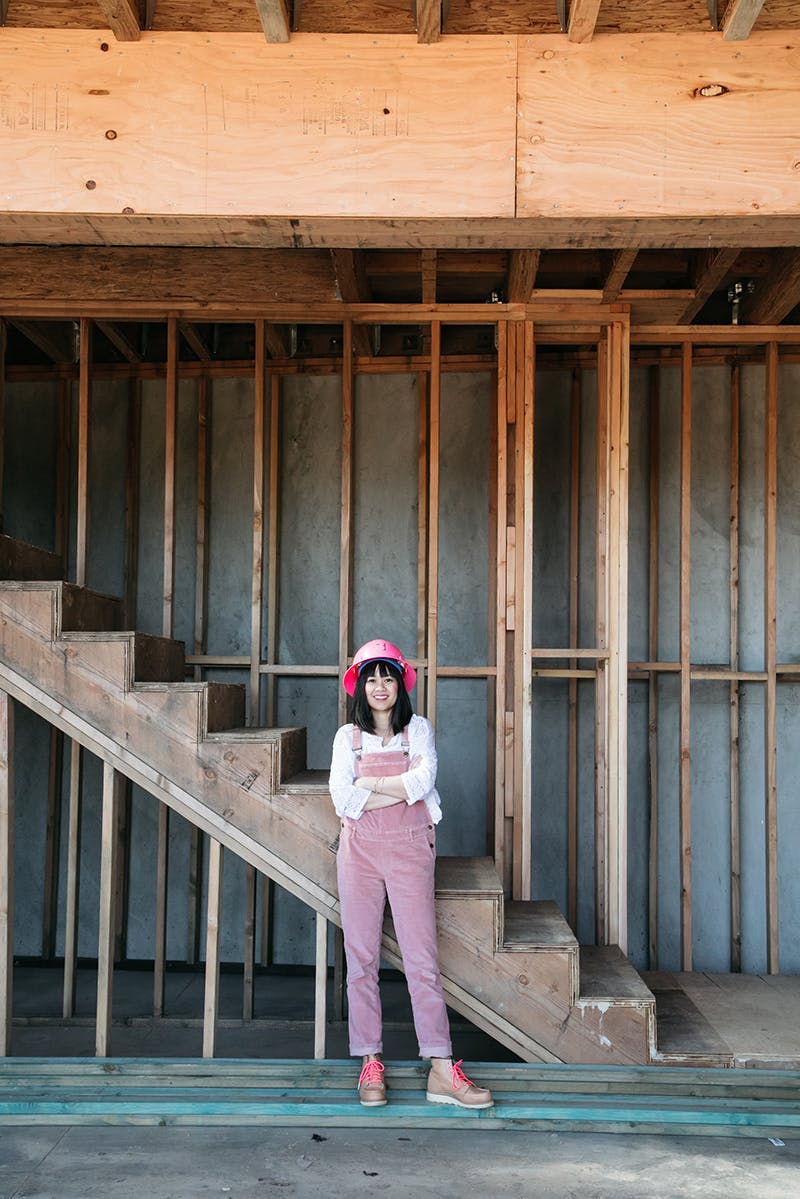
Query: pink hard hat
x,y
378,651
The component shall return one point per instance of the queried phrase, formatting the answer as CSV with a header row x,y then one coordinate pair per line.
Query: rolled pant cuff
x,y
365,1052
437,1051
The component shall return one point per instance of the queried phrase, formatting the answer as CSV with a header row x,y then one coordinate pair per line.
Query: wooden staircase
x,y
514,969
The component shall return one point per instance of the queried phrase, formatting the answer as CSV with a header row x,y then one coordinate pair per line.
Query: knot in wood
x,y
710,89
523,980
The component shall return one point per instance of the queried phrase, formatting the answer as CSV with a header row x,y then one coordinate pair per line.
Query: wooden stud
x,y
654,405
338,973
710,272
82,500
621,263
574,596
3,339
777,295
213,924
6,869
740,17
132,500
273,548
123,868
107,920
123,19
770,655
73,879
428,266
523,267
524,522
349,268
433,517
503,784
685,655
429,20
52,842
248,972
493,713
196,837
274,17
257,575
582,20
170,447
602,640
423,483
321,987
346,527
735,814
162,894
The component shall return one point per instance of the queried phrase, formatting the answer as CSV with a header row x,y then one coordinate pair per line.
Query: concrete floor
x,y
248,1163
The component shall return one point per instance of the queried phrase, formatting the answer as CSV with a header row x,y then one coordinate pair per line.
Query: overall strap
x,y
357,742
404,741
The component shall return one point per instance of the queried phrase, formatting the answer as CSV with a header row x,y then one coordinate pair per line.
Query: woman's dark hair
x,y
362,712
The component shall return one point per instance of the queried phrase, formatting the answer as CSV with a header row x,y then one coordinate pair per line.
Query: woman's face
x,y
380,688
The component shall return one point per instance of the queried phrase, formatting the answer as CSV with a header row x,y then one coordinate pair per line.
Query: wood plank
x,y
349,268
523,266
107,920
770,643
170,466
688,130
523,782
55,340
346,525
274,18
213,932
685,776
321,987
356,126
6,870
257,556
52,843
132,463
423,390
740,17
249,941
84,421
574,598
434,435
274,525
3,340
503,784
621,264
711,270
428,271
654,454
776,296
429,21
73,879
582,20
161,900
601,609
735,731
123,19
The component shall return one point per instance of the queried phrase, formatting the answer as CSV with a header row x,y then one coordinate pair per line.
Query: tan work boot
x,y
447,1083
371,1087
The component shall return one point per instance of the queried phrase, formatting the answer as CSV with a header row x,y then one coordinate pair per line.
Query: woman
x,y
382,782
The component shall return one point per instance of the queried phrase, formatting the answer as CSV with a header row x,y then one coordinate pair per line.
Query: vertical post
x,y
200,639
162,886
3,336
685,658
73,879
214,913
574,581
84,401
274,530
523,699
346,539
6,869
321,987
654,403
422,531
602,640
170,435
770,655
107,922
257,576
433,517
248,973
494,716
132,500
736,850
617,822
503,777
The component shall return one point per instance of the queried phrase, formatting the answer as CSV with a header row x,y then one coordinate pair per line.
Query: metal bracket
x,y
736,293
713,13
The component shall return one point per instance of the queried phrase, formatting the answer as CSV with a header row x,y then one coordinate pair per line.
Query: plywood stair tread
x,y
19,560
605,973
537,924
467,878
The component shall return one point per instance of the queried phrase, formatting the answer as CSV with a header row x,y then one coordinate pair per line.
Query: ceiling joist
x,y
621,264
582,20
120,340
429,20
740,17
274,17
523,266
710,272
56,339
771,302
428,268
123,19
353,286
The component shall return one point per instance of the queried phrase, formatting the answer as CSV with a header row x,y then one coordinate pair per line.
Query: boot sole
x,y
372,1102
457,1102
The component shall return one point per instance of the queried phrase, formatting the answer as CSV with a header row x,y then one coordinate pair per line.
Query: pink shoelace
x,y
371,1074
459,1077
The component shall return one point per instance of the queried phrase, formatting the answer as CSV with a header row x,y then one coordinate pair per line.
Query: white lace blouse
x,y
419,783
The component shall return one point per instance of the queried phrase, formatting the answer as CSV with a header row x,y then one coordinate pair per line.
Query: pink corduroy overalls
x,y
390,852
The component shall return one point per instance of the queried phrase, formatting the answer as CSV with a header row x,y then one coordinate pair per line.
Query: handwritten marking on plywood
x,y
198,124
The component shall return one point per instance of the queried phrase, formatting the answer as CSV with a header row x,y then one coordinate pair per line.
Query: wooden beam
x,y
428,20
279,340
770,657
123,19
522,269
428,270
734,694
170,463
107,921
582,20
685,720
73,879
273,590
257,540
740,17
6,869
120,339
601,605
54,338
574,601
194,340
213,932
321,987
712,268
654,413
621,264
346,524
434,429
161,897
274,17
777,294
352,285
3,337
